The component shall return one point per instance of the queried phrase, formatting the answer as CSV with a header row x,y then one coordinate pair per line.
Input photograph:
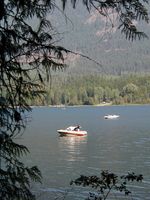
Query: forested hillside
x,y
122,75
97,89
92,35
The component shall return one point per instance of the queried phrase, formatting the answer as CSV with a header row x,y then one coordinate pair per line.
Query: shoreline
x,y
96,105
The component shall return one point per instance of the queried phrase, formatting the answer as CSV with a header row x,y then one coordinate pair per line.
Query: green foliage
x,y
97,89
27,53
107,183
127,12
14,175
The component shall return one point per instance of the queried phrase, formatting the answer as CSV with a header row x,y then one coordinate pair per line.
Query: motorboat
x,y
111,116
72,131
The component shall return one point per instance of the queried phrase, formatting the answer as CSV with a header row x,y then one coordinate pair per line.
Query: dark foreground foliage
x,y
107,184
28,53
127,12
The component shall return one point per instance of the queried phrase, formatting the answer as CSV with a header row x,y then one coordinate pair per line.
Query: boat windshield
x,y
71,128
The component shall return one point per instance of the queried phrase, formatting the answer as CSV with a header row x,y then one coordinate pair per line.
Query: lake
x,y
120,145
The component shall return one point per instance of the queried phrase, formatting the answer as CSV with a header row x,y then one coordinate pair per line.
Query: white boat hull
x,y
71,133
111,116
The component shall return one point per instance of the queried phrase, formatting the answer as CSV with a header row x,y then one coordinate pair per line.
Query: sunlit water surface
x,y
121,145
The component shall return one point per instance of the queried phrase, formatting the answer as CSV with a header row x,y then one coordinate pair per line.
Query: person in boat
x,y
77,128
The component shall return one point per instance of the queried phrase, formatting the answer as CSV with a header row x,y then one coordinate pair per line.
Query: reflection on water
x,y
74,139
119,146
72,147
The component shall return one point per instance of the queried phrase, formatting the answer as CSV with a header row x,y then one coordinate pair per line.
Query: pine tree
x,y
28,53
126,11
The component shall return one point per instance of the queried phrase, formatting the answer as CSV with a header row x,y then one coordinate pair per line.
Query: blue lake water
x,y
121,145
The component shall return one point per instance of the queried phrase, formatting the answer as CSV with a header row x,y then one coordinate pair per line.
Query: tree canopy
x,y
107,184
127,11
28,53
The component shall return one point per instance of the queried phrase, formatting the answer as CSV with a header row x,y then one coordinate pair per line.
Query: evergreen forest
x,y
94,89
31,48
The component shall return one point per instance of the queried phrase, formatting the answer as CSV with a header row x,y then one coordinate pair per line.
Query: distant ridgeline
x,y
96,89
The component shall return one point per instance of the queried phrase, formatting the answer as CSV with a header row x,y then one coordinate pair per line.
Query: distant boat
x,y
72,131
111,116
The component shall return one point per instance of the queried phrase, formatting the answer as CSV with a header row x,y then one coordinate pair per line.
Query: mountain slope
x,y
91,35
